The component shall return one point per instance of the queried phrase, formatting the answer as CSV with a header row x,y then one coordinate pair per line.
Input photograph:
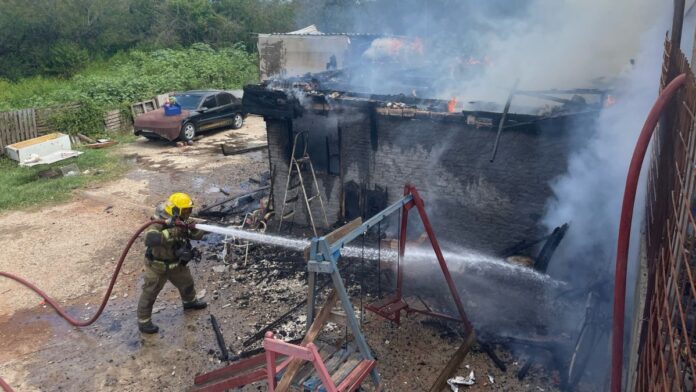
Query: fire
x,y
609,101
394,46
451,105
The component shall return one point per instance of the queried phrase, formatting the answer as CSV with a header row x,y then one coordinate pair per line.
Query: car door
x,y
228,108
207,117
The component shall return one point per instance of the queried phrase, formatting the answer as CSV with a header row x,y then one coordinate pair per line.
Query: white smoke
x,y
568,44
589,195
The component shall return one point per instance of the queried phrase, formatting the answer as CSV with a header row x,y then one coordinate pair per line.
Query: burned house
x,y
365,147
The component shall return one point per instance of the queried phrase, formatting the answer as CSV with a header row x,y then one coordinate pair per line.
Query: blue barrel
x,y
172,110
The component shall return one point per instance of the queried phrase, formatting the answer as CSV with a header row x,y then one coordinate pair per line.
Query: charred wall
x,y
472,201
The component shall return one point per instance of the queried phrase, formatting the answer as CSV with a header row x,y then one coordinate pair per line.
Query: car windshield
x,y
188,101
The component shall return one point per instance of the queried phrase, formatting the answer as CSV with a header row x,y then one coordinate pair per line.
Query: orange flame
x,y
394,46
451,104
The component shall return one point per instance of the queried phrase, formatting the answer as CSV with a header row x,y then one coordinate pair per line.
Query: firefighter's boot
x,y
148,327
196,304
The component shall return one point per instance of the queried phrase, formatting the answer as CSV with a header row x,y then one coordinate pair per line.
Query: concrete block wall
x,y
279,133
471,201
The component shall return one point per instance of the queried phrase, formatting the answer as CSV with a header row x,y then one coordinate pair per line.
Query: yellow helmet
x,y
179,204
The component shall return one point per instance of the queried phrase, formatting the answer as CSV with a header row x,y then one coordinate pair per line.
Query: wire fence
x,y
667,345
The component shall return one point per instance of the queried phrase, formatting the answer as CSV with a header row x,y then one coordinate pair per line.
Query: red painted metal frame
x,y
391,307
310,353
243,372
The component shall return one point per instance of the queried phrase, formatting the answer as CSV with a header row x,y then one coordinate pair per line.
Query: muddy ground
x,y
70,249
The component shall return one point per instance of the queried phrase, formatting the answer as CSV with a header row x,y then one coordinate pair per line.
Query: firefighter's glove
x,y
171,222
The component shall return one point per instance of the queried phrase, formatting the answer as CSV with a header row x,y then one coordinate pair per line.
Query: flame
x,y
394,46
451,104
609,101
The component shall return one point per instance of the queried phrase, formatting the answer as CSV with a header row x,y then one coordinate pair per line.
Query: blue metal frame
x,y
323,258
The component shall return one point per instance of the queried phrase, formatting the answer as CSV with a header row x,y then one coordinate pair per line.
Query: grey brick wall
x,y
471,201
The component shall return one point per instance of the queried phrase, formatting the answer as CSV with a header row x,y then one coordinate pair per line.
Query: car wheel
x,y
188,132
238,121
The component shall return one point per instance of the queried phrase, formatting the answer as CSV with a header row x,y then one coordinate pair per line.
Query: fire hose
x,y
73,321
625,228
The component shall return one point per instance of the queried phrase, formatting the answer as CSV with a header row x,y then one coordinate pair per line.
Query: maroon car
x,y
201,110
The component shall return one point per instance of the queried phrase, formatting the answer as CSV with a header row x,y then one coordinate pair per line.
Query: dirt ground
x,y
70,250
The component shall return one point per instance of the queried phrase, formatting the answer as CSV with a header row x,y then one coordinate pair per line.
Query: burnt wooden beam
x,y
503,118
224,353
454,362
488,349
544,257
524,370
232,198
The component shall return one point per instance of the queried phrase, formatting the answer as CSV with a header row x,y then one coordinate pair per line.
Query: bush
x,y
88,119
65,58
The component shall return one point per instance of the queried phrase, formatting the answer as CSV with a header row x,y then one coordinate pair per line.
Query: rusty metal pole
x,y
677,26
440,259
402,244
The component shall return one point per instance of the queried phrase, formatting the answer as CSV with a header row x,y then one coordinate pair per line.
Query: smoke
x,y
589,195
566,44
476,50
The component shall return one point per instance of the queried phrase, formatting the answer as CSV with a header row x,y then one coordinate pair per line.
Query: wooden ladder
x,y
295,186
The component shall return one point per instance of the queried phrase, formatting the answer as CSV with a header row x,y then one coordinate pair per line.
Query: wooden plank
x,y
20,127
3,132
11,128
14,126
25,124
33,123
326,351
449,369
22,122
339,375
331,365
17,135
17,118
312,332
337,234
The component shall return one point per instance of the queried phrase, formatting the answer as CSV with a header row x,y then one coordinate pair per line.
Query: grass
x,y
24,188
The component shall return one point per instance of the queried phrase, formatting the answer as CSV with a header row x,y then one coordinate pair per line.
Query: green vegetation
x,y
57,38
136,75
24,187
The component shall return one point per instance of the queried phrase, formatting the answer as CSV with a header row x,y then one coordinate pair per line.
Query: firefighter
x,y
168,251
